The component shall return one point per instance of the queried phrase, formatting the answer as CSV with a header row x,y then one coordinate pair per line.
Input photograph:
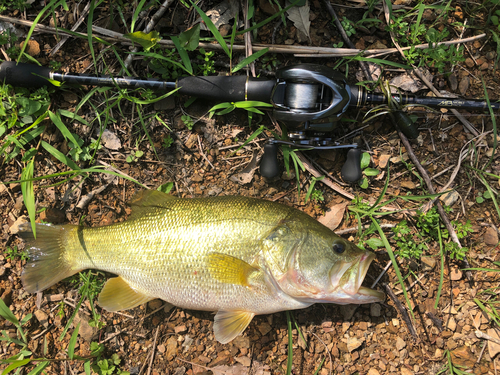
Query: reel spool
x,y
309,92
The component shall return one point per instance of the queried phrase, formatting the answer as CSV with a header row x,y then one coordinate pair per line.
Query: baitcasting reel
x,y
304,93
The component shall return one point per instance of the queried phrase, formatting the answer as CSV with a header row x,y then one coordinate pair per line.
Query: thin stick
x,y
481,354
402,310
329,354
154,311
381,274
411,285
75,26
202,153
153,352
120,172
111,36
113,336
327,181
332,12
482,335
148,28
248,38
439,206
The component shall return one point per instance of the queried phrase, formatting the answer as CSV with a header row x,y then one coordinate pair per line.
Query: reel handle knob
x,y
351,171
269,166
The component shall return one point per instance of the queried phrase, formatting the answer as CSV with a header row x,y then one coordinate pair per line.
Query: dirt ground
x,y
158,338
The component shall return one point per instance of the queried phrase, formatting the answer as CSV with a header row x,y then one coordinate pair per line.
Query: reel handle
x,y
351,171
269,165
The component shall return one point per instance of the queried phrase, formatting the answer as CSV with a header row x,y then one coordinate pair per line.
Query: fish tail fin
x,y
47,263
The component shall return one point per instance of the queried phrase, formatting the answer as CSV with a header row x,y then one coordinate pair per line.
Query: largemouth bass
x,y
237,256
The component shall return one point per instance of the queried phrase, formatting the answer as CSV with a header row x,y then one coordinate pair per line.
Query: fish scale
x,y
238,256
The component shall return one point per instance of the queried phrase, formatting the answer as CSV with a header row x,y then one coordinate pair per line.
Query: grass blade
x,y
29,192
183,54
136,15
7,314
269,19
213,29
52,4
394,263
56,119
72,342
60,156
441,274
90,20
289,360
249,59
15,365
381,62
39,368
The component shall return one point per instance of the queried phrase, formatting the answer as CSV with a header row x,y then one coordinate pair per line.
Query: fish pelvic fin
x,y
230,324
117,295
47,264
228,269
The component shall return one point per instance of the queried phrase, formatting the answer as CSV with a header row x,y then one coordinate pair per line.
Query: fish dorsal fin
x,y
229,324
228,269
118,295
144,200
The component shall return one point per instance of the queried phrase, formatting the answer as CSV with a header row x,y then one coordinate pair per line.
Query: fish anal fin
x,y
118,295
228,269
230,324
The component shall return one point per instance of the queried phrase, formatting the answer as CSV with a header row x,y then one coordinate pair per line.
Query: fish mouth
x,y
347,277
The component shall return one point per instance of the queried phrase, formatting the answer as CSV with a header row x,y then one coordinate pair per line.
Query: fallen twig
x,y
113,37
149,27
482,335
439,206
74,28
327,181
153,351
402,310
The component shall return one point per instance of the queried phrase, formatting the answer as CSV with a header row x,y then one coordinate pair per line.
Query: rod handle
x,y
24,75
351,171
227,88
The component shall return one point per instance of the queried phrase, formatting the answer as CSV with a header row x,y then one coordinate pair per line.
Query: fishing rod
x,y
300,94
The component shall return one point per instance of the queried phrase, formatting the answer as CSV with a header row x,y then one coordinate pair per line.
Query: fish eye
x,y
338,247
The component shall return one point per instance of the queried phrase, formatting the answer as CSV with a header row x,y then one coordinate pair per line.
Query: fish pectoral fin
x,y
118,295
228,269
229,324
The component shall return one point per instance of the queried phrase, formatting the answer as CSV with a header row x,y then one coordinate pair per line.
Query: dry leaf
x,y
333,217
493,348
246,175
222,13
110,140
476,322
300,18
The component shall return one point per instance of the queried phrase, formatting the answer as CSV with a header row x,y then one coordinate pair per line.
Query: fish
x,y
232,255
